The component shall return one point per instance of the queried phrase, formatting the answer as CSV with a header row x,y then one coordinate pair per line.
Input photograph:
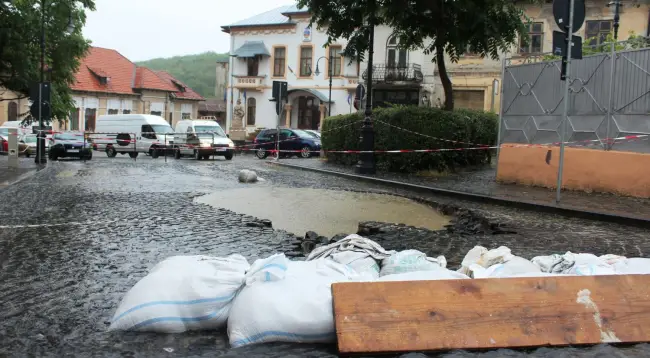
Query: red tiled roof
x,y
148,79
117,67
123,76
188,93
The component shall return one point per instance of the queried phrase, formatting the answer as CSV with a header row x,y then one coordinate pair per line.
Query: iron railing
x,y
410,72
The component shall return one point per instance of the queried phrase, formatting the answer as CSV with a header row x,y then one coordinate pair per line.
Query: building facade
x,y
476,80
280,45
108,83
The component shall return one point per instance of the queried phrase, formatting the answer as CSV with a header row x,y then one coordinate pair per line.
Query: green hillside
x,y
196,71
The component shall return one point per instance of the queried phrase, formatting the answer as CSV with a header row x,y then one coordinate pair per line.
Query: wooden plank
x,y
382,317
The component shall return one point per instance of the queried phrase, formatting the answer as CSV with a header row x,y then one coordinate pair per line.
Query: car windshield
x,y
30,139
313,134
69,136
205,131
304,134
162,129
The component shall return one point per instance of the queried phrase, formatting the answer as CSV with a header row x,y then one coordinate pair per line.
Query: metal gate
x,y
608,100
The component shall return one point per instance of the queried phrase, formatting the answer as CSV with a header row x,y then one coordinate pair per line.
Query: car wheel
x,y
133,154
262,153
228,156
177,153
305,152
154,153
197,155
111,152
89,156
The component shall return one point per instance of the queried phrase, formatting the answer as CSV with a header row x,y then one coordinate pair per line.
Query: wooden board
x,y
491,313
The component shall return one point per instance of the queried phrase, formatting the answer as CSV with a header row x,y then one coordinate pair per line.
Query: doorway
x,y
308,113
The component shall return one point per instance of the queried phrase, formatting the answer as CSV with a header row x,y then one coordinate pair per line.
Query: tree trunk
x,y
444,78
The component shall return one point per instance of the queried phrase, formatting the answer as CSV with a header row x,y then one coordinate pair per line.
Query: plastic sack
x,y
632,266
577,264
485,258
514,267
182,293
439,274
410,261
295,308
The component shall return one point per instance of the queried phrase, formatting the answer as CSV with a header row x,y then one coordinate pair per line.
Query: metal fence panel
x,y
533,101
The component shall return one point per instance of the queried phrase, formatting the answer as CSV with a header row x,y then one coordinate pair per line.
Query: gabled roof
x,y
107,71
185,93
148,79
272,17
251,49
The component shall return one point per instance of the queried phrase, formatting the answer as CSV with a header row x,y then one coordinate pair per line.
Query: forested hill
x,y
196,71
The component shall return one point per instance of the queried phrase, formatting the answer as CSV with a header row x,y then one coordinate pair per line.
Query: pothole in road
x,y
327,212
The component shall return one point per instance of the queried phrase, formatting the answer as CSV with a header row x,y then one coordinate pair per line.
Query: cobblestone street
x,y
75,237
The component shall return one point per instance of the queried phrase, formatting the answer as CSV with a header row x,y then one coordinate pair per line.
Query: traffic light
x,y
39,94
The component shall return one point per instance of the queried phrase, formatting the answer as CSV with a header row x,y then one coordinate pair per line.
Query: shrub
x,y
469,126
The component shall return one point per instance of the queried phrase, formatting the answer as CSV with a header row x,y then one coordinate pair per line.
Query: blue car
x,y
298,141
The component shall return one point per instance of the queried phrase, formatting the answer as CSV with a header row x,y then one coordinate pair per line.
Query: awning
x,y
322,97
252,49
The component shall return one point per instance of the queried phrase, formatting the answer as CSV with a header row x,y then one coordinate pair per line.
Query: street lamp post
x,y
366,164
329,72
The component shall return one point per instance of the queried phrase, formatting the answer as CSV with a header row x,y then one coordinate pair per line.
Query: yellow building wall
x,y
472,73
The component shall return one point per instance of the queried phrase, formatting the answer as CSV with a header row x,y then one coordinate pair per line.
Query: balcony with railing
x,y
250,82
410,72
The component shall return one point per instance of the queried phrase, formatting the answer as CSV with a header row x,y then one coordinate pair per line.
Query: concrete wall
x,y
221,84
622,173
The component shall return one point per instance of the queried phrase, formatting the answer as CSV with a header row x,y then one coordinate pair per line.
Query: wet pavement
x,y
482,181
8,176
75,237
327,212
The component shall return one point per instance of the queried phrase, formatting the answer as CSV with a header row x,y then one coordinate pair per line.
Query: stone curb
x,y
568,211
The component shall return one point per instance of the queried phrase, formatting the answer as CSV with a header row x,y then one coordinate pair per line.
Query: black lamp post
x,y
329,70
44,116
366,164
617,16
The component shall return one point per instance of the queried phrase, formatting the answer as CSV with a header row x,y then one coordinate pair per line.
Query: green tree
x,y
20,47
633,42
196,71
485,27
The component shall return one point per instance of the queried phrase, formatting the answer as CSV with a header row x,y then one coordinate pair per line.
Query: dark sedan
x,y
70,145
293,141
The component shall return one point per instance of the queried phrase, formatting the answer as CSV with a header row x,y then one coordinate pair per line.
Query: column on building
x,y
287,110
322,109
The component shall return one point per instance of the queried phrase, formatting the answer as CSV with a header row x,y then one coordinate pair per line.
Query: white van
x,y
200,139
132,134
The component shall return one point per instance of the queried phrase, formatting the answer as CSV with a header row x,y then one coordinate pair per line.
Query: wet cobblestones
x,y
60,283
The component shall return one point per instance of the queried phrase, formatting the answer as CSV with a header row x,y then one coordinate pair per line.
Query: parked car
x,y
316,134
70,145
23,149
200,139
30,140
290,139
132,134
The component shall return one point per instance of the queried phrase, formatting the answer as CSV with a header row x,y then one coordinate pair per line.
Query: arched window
x,y
250,113
12,111
395,57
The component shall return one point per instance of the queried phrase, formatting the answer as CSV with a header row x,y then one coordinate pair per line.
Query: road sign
x,y
561,14
560,45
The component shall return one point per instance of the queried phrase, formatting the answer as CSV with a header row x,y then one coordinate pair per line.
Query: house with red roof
x,y
109,83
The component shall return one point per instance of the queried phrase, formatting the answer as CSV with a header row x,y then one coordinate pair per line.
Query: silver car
x,y
30,140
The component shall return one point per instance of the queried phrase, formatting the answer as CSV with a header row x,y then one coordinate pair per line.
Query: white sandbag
x,y
439,274
514,267
410,261
295,308
182,293
577,264
632,266
479,255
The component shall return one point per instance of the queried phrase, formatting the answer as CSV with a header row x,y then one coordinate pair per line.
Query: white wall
x,y
293,40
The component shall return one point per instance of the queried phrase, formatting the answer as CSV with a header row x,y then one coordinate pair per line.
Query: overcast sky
x,y
146,29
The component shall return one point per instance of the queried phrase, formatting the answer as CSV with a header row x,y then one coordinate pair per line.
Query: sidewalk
x,y
482,182
8,176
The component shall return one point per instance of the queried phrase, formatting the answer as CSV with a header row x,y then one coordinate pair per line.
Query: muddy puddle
x,y
327,212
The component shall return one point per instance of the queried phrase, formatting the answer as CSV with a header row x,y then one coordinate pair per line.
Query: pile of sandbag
x,y
279,300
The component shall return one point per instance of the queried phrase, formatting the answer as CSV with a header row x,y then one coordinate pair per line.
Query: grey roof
x,y
271,17
322,97
294,9
251,49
